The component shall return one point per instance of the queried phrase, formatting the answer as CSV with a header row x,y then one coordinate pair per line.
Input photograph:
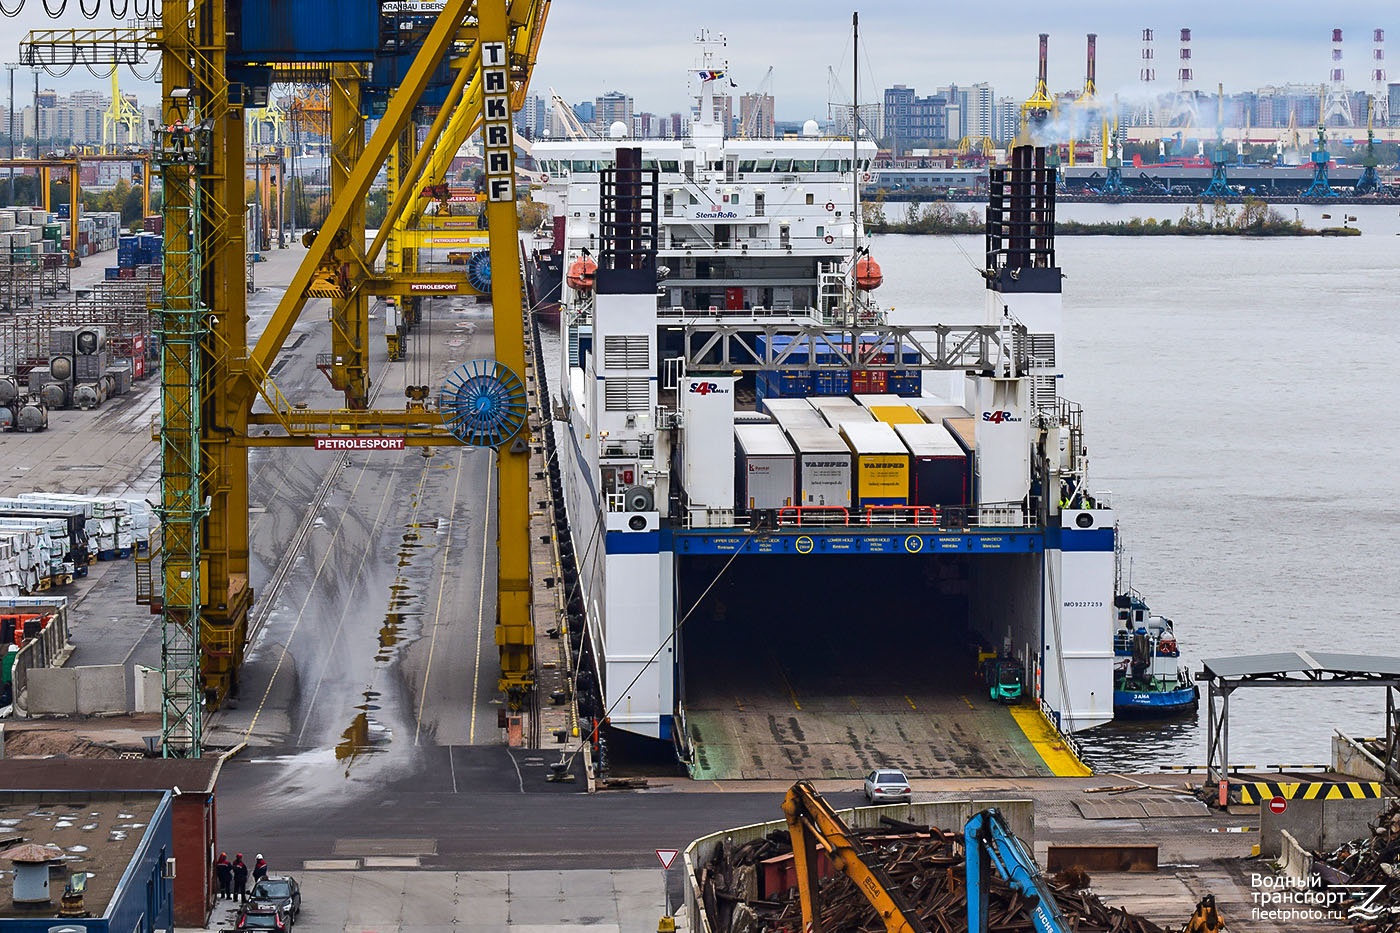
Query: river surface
x,y
1241,399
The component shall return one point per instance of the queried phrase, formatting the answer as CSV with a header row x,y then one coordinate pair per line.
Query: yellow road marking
x,y
910,702
968,702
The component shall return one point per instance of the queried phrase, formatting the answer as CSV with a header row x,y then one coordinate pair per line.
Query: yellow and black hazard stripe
x,y
1263,791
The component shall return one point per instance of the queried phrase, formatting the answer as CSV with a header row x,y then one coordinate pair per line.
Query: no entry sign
x,y
1277,805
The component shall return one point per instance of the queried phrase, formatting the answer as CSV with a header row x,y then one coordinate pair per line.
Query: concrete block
x,y
1317,825
146,689
52,691
1349,757
102,689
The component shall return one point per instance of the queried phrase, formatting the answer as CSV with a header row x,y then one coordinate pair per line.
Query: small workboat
x,y
1148,677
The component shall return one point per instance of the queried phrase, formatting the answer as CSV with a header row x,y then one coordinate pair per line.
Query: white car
x,y
888,785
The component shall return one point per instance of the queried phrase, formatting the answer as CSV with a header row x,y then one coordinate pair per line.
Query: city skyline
x,y
583,53
589,51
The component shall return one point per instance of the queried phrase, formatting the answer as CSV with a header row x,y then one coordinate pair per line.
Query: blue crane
x,y
1321,186
991,842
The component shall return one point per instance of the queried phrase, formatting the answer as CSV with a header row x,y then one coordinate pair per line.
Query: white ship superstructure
x,y
731,289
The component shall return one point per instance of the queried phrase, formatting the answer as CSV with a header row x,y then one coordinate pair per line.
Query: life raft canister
x,y
582,272
868,274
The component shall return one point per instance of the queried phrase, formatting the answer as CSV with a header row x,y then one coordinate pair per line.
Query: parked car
x,y
888,785
253,917
280,891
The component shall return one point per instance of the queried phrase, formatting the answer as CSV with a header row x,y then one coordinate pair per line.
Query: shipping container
x,y
869,380
881,463
939,474
765,467
782,383
839,408
828,382
823,466
907,383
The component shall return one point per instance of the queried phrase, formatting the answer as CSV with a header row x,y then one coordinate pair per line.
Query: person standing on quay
x,y
240,877
225,872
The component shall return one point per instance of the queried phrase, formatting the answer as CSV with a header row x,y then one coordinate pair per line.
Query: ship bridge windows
x,y
782,166
763,165
828,165
804,165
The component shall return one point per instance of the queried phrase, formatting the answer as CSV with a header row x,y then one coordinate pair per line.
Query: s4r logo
x,y
997,417
706,388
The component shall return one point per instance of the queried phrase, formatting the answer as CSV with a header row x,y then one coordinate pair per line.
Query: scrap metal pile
x,y
751,888
1374,860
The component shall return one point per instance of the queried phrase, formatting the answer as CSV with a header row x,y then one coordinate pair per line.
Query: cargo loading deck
x,y
795,664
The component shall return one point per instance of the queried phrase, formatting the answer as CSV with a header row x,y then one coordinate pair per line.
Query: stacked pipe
x,y
749,888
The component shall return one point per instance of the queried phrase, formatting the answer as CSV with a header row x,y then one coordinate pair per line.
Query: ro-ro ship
x,y
764,477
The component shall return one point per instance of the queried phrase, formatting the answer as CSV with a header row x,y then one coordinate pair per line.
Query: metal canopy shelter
x,y
1295,669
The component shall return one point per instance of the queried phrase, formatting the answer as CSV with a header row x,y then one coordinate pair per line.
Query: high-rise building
x,y
979,110
532,117
1007,120
612,107
756,115
912,121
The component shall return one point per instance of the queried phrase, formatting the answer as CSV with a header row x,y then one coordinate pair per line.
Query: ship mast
x,y
855,132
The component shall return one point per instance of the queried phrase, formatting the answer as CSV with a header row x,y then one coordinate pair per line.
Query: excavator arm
x,y
812,822
991,842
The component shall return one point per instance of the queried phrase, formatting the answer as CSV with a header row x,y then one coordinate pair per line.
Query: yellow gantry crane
x,y
212,377
121,112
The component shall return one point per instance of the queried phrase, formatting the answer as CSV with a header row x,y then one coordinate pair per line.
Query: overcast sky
x,y
642,47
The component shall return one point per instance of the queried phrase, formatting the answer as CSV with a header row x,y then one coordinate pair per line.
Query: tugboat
x,y
1148,678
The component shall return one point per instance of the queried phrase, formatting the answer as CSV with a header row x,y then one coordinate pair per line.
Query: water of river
x,y
1241,400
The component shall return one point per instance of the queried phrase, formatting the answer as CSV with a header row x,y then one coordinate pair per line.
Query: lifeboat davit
x,y
582,273
868,274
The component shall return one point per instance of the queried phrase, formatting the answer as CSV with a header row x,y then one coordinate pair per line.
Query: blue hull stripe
x,y
1073,539
633,542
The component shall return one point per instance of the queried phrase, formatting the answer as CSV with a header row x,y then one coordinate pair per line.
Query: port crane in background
x,y
1219,186
213,378
1369,182
121,112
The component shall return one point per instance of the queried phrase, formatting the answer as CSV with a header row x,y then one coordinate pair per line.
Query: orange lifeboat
x,y
868,274
581,274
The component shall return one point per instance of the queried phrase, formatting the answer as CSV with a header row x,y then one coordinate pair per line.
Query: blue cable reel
x,y
479,271
483,403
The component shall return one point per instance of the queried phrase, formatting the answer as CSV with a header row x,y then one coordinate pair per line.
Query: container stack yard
x,y
76,353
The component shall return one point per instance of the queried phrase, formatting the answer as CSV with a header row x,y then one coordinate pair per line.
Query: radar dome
x,y
810,128
618,130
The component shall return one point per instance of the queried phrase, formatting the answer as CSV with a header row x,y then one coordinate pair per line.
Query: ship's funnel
x,y
1089,69
1044,73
